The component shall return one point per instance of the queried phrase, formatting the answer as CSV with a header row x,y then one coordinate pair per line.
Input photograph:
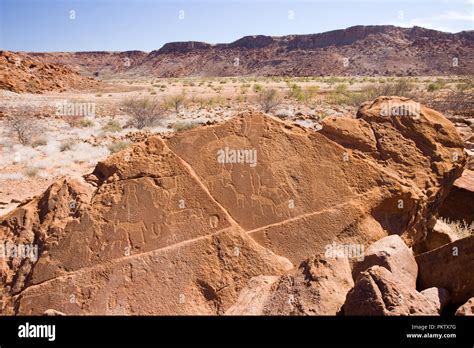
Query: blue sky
x,y
119,25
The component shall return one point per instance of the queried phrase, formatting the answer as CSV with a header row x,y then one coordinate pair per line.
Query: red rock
x,y
159,229
393,254
459,204
451,267
378,292
305,55
23,73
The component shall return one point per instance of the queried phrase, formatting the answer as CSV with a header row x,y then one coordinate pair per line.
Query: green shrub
x,y
39,142
464,86
182,126
144,111
257,88
437,85
118,146
175,102
295,92
112,126
84,123
268,99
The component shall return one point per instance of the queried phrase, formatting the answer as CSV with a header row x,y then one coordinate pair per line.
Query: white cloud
x,y
442,22
457,16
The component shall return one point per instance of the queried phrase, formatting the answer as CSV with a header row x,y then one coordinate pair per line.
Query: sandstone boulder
x,y
438,296
253,298
149,240
450,267
459,204
318,287
467,308
379,292
393,254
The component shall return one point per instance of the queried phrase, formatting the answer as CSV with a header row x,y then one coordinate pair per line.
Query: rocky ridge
x,y
358,50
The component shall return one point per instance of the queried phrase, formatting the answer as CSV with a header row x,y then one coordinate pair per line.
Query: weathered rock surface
x,y
52,313
253,298
165,227
438,296
451,267
393,254
23,73
379,292
440,235
318,287
459,204
467,308
135,226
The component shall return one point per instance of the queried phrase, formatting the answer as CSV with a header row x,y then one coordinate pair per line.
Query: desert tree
x,y
23,125
144,111
268,99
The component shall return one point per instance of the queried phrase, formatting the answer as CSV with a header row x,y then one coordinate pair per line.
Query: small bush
x,y
23,126
31,172
268,99
464,86
66,145
295,92
39,142
144,111
32,86
257,88
435,86
175,102
341,88
118,146
112,126
460,228
283,113
243,89
85,123
311,92
182,126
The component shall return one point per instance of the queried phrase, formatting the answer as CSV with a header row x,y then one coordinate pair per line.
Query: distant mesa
x,y
373,50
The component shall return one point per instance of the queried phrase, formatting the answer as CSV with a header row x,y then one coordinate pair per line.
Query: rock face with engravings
x,y
245,217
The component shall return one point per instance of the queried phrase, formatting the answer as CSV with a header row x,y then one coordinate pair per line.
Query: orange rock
x,y
163,227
